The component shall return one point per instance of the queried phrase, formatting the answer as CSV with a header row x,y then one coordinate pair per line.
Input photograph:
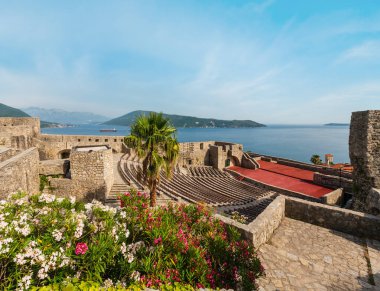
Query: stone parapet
x,y
54,167
344,220
333,182
52,146
20,172
261,229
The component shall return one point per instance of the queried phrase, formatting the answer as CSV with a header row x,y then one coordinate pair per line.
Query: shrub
x,y
48,241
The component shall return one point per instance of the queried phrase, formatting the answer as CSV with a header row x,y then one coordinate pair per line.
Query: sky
x,y
271,61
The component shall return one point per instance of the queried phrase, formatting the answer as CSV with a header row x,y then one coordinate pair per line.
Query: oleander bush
x,y
50,241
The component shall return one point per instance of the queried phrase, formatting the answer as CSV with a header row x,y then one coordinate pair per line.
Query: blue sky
x,y
272,61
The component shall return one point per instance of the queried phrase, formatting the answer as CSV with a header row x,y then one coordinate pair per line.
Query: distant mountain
x,y
7,111
186,121
337,124
62,116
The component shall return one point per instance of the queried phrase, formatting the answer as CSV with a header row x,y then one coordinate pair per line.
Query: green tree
x,y
316,159
153,138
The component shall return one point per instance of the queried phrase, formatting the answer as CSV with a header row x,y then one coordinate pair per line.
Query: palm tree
x,y
153,138
316,159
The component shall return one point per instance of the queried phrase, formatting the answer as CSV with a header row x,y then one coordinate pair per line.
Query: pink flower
x,y
81,248
157,240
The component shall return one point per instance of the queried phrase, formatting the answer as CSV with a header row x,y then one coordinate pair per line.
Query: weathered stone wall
x,y
51,146
7,153
20,172
261,229
333,182
91,175
216,157
54,167
194,153
210,153
95,167
365,156
344,220
18,132
335,197
249,162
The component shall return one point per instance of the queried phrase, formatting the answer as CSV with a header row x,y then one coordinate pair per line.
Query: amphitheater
x,y
315,228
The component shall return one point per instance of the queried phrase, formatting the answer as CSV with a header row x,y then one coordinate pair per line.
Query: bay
x,y
298,142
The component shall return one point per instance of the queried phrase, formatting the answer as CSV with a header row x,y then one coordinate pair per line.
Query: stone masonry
x,y
365,157
20,172
91,174
19,132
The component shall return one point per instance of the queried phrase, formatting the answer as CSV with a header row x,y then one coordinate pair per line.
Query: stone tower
x,y
365,157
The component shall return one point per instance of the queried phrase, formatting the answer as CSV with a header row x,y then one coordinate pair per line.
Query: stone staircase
x,y
116,190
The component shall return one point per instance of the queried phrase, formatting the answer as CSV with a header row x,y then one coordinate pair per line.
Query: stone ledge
x,y
333,198
260,230
340,219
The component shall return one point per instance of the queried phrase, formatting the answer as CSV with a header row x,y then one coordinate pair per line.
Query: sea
x,y
298,142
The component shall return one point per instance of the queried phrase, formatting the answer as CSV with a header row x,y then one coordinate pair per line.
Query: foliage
x,y
49,241
316,159
190,246
77,285
235,215
153,139
43,182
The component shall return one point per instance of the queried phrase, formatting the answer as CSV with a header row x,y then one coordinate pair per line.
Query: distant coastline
x,y
337,124
181,121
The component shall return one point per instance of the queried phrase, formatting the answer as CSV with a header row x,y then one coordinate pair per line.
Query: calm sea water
x,y
298,142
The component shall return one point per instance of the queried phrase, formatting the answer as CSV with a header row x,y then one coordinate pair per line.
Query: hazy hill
x,y
7,111
186,121
62,116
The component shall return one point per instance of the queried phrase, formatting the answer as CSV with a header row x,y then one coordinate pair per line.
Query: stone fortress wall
x,y
210,153
20,172
91,170
59,146
19,132
365,157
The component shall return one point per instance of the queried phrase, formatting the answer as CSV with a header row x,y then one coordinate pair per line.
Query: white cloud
x,y
259,6
369,50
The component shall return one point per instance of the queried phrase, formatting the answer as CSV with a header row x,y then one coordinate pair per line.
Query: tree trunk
x,y
153,193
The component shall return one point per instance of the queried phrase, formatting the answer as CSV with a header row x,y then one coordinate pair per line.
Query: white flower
x,y
135,276
3,224
123,248
42,274
130,257
57,234
48,198
20,259
60,199
25,283
4,245
123,214
108,283
72,199
80,225
21,201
